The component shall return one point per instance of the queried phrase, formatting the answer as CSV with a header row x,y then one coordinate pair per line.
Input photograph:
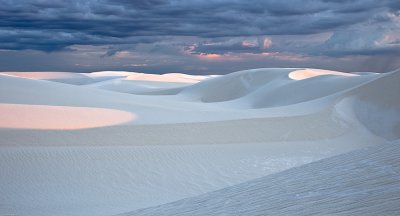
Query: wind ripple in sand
x,y
363,182
25,116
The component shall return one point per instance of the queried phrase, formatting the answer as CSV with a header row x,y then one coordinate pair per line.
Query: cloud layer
x,y
333,28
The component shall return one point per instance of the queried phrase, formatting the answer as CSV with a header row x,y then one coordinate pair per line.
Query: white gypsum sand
x,y
105,143
363,182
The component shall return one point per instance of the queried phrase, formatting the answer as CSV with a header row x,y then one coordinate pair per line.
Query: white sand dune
x,y
309,73
85,78
62,77
262,88
144,140
364,182
377,105
141,83
171,77
140,86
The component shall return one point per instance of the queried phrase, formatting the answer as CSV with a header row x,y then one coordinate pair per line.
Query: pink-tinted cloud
x,y
124,54
248,43
267,43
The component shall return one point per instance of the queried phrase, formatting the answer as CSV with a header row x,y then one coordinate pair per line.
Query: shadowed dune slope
x,y
364,182
272,87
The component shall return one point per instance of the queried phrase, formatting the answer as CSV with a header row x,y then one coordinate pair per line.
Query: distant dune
x,y
269,141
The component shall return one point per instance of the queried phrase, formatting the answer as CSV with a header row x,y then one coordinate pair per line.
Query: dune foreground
x,y
272,141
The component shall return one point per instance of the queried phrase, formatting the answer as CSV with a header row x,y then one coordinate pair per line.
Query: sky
x,y
198,36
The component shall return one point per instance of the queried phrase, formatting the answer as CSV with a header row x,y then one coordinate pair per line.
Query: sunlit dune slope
x,y
24,116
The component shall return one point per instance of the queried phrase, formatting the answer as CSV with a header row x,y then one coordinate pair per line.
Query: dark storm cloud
x,y
368,42
51,25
